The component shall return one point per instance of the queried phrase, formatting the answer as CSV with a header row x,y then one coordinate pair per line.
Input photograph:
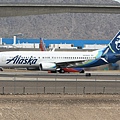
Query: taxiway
x,y
29,82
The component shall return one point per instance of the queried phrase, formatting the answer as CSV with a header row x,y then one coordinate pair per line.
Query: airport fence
x,y
38,85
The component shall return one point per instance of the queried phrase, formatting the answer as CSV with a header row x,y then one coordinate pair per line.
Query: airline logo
x,y
117,42
21,60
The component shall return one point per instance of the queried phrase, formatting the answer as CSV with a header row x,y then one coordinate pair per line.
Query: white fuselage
x,y
34,58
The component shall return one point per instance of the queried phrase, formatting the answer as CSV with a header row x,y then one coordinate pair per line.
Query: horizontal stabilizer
x,y
117,55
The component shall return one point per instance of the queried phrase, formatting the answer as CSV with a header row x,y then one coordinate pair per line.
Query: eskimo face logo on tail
x,y
20,60
117,42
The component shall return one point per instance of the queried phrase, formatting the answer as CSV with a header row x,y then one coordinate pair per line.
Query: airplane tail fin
x,y
42,45
114,45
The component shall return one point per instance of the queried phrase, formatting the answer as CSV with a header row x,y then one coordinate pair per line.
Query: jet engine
x,y
47,66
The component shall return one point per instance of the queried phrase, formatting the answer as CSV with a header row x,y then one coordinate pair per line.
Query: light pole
x,y
15,37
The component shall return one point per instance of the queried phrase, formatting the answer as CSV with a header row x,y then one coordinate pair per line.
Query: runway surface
x,y
40,75
32,82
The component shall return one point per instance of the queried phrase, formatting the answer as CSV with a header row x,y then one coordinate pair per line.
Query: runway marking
x,y
55,79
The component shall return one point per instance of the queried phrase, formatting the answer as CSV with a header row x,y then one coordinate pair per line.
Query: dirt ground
x,y
59,107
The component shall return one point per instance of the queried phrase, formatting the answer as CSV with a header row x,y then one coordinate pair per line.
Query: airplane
x,y
59,61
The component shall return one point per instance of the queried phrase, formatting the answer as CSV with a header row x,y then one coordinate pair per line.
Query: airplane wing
x,y
70,63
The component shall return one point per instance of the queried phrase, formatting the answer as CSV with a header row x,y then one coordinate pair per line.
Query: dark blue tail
x,y
114,45
112,52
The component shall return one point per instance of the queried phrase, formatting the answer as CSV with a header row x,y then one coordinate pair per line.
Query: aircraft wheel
x,y
62,71
54,71
40,67
82,71
1,69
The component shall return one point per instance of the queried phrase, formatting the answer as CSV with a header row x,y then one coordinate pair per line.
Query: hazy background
x,y
62,26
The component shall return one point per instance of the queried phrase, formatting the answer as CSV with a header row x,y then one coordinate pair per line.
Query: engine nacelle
x,y
47,66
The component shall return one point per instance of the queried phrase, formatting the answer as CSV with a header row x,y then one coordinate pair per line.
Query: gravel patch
x,y
59,107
